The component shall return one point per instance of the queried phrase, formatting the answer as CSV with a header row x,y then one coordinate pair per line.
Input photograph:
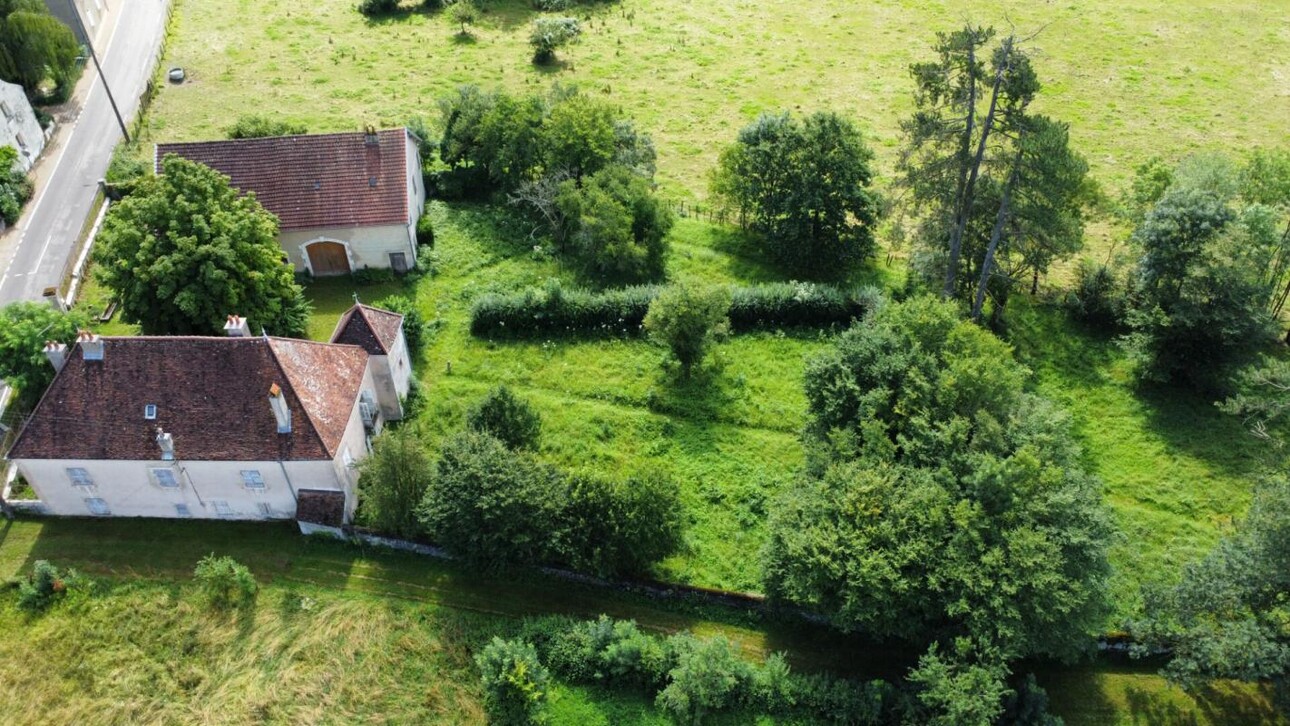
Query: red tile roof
x,y
314,181
372,329
211,394
320,506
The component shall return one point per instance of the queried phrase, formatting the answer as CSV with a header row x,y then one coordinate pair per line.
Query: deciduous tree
x,y
186,250
687,318
24,329
805,187
392,482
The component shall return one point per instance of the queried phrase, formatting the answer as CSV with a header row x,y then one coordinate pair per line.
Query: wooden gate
x,y
328,259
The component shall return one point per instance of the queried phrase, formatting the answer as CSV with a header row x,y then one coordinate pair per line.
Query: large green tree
x,y
805,187
36,46
687,319
941,502
1202,296
25,327
186,250
616,226
995,193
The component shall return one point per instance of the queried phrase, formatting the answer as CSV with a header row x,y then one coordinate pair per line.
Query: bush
x,y
225,583
618,227
686,319
414,327
15,187
425,232
46,585
556,312
551,34
708,677
1099,296
392,481
618,527
377,7
508,418
515,682
254,126
493,506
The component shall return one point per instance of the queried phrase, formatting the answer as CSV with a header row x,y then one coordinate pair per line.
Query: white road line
x,y
41,259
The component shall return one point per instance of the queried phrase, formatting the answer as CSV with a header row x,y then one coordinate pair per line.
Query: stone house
x,y
344,201
19,127
236,427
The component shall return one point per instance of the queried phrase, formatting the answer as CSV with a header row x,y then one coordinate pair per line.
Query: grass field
x,y
1134,78
341,635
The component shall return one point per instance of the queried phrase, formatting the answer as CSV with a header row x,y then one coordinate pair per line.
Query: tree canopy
x,y
35,46
186,250
941,501
15,187
805,187
25,327
687,318
995,193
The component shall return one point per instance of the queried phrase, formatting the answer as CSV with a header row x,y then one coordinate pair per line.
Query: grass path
x,y
422,617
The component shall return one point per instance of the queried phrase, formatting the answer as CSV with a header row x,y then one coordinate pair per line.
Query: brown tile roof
x,y
372,329
320,506
314,181
211,395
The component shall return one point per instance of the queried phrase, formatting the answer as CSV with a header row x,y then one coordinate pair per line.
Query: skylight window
x,y
150,412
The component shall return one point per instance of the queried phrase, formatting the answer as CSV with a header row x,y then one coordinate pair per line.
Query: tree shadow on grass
x,y
1191,423
699,397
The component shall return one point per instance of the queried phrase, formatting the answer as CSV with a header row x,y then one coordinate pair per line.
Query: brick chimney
x,y
56,353
166,443
237,327
370,137
280,411
91,345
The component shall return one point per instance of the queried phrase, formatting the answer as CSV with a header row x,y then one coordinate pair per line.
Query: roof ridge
x,y
273,354
254,139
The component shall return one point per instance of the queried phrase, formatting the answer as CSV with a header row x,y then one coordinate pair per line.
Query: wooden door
x,y
328,259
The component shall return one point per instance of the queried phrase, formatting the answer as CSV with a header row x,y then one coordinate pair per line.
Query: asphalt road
x,y
48,230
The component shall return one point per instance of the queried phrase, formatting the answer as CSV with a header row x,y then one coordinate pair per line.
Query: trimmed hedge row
x,y
556,312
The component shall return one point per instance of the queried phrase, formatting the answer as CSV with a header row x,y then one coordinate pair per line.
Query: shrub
x,y
550,34
686,319
392,482
492,506
225,583
508,418
618,227
254,126
555,311
622,527
553,5
414,327
425,232
45,585
708,677
1099,297
15,187
377,7
515,682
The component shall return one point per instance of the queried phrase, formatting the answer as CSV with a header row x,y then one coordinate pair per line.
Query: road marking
x,y
41,259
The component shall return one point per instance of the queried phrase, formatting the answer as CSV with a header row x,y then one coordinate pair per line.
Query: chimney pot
x,y
278,403
91,345
166,443
371,138
56,353
237,327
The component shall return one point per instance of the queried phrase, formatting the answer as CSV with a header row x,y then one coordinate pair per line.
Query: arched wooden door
x,y
328,259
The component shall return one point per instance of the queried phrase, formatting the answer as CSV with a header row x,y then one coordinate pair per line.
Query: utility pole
x,y
89,43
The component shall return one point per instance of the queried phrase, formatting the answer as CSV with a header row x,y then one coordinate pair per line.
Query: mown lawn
x,y
342,634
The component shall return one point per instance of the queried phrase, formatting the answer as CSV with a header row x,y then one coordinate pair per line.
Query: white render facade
x,y
19,127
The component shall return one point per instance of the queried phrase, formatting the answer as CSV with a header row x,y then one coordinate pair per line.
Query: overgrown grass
x,y
343,635
1134,79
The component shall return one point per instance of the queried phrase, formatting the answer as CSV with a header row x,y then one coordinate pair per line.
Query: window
x,y
348,459
181,510
97,507
252,480
399,262
22,143
4,108
80,477
222,509
266,510
150,412
165,478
